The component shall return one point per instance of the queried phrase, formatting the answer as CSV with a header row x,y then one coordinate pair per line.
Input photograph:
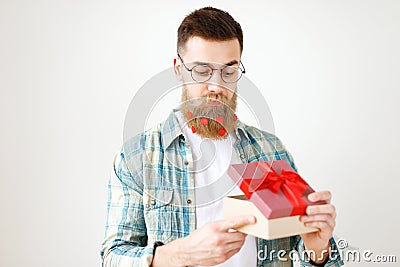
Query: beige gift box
x,y
263,228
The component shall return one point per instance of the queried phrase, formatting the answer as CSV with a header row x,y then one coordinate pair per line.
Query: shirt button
x,y
153,202
242,156
189,201
186,163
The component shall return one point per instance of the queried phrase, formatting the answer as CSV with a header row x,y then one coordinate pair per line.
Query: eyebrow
x,y
230,63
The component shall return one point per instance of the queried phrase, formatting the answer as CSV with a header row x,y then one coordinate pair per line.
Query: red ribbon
x,y
291,184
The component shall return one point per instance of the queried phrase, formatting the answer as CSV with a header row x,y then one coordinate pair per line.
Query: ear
x,y
177,68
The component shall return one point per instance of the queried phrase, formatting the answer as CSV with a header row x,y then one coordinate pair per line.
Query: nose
x,y
215,88
215,84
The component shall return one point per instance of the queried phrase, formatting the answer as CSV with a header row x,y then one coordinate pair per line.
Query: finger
x,y
324,227
319,217
224,251
319,209
320,196
233,237
234,244
231,253
237,222
234,248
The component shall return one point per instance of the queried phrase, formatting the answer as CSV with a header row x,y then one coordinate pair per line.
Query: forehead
x,y
221,52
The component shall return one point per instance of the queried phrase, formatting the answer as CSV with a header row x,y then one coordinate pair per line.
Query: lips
x,y
214,103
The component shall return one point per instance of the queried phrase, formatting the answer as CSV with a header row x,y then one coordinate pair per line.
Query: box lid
x,y
272,205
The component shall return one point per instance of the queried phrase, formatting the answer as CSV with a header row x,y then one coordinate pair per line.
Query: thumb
x,y
237,222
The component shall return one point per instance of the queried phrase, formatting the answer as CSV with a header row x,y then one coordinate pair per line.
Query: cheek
x,y
186,76
229,92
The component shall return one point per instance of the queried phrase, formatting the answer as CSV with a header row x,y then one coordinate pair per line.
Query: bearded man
x,y
165,199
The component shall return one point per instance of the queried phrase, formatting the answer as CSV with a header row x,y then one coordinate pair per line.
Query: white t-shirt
x,y
211,159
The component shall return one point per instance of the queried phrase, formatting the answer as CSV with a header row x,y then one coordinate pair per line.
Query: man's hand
x,y
209,245
321,217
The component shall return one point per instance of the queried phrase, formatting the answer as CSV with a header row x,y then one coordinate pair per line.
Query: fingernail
x,y
252,219
309,209
311,197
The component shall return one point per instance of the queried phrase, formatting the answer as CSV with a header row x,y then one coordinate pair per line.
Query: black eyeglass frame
x,y
243,71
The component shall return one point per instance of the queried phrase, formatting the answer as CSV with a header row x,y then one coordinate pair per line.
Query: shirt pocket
x,y
159,211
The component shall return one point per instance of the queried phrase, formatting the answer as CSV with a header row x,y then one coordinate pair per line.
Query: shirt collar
x,y
170,129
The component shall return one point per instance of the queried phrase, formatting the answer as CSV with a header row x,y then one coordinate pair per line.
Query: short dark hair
x,y
211,24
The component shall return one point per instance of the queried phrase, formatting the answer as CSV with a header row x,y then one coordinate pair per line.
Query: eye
x,y
203,73
202,70
229,71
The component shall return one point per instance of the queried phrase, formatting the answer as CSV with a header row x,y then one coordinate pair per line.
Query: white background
x,y
329,71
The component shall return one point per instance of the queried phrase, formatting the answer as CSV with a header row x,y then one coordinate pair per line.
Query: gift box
x,y
274,193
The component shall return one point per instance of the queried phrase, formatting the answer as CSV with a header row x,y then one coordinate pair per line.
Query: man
x,y
165,198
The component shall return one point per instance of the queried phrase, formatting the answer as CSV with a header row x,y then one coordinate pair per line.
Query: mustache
x,y
207,99
215,97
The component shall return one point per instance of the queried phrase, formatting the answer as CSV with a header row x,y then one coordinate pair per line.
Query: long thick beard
x,y
214,122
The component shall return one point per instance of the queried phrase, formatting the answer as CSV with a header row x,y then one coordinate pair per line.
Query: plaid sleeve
x,y
125,242
285,155
334,257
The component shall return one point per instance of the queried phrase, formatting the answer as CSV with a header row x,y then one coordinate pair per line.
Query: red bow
x,y
291,184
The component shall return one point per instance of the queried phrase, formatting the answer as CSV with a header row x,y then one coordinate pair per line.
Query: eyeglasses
x,y
203,72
